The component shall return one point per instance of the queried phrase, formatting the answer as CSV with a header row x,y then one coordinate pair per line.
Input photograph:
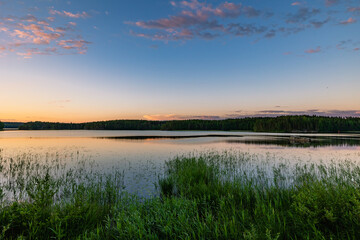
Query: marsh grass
x,y
210,195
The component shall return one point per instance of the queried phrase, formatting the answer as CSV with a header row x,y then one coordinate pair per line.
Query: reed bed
x,y
212,195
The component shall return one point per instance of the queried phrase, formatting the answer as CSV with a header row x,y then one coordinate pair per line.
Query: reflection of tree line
x,y
278,124
314,142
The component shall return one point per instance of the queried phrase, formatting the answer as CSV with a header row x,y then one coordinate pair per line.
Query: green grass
x,y
205,196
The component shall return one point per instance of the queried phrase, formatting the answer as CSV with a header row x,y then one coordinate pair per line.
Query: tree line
x,y
12,124
1,126
258,124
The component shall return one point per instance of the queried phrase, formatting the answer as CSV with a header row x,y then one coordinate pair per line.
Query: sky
x,y
78,61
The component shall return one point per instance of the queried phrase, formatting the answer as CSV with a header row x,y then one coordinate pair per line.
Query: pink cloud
x,y
30,36
36,51
296,4
354,9
349,21
198,13
21,34
329,3
317,50
356,49
31,27
43,23
49,29
69,14
170,117
79,45
77,15
25,55
199,19
194,4
30,18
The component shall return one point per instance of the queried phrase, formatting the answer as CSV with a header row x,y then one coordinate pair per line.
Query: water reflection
x,y
141,154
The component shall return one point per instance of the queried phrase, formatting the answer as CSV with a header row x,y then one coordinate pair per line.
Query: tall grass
x,y
205,196
54,196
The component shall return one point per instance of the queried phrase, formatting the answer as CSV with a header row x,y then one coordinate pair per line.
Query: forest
x,y
280,124
12,124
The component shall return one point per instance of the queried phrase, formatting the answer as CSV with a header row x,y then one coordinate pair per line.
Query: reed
x,y
224,195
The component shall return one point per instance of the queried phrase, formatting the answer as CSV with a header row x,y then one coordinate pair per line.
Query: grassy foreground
x,y
209,196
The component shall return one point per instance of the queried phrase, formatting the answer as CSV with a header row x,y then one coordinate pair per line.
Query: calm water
x,y
141,154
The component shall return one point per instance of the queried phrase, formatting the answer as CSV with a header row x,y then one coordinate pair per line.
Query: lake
x,y
142,154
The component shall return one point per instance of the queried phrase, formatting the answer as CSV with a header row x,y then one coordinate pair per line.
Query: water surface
x,y
141,154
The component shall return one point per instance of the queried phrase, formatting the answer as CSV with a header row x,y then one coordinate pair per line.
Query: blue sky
x,y
137,59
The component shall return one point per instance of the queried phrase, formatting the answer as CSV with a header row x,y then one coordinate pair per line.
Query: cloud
x,y
250,12
198,19
202,20
329,3
262,113
319,24
170,117
317,50
355,10
69,14
302,15
238,29
32,35
348,21
80,45
36,51
343,44
311,112
59,101
30,18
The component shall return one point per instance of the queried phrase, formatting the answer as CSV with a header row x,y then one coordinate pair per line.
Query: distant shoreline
x,y
282,124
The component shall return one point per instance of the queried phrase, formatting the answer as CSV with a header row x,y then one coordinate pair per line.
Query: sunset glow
x,y
78,61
